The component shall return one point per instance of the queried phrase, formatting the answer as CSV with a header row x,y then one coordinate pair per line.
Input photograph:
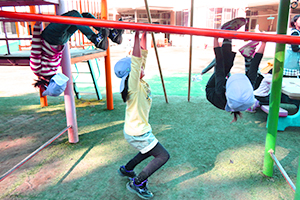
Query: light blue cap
x,y
122,70
239,93
57,85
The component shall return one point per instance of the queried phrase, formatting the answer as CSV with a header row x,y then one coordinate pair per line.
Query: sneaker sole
x,y
252,44
120,173
250,111
240,21
133,191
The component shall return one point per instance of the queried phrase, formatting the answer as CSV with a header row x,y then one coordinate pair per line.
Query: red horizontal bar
x,y
279,38
16,38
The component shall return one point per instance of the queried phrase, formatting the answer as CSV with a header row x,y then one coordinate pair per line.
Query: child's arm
x,y
136,61
36,49
216,42
144,41
144,49
137,46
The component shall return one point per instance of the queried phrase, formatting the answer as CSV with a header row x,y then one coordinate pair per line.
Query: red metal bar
x,y
155,27
283,172
16,38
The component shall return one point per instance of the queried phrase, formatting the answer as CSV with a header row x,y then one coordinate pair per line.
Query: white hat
x,y
122,70
239,93
57,85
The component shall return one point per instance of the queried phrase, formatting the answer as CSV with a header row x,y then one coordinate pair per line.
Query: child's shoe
x,y
141,190
248,50
116,35
252,109
234,24
123,172
100,39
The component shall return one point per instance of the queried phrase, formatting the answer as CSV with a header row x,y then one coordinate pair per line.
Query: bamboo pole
x,y
156,53
191,49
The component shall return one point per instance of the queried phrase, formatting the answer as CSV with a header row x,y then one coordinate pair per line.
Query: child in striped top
x,y
48,45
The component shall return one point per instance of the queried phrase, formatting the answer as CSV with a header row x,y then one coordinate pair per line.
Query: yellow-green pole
x,y
297,192
275,96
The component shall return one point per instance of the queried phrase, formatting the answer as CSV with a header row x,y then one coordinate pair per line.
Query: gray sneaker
x,y
141,190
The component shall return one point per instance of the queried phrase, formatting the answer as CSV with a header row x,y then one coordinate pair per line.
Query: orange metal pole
x,y
109,94
81,36
43,99
32,10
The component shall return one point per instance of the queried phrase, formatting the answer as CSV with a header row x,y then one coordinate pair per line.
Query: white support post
x,y
69,95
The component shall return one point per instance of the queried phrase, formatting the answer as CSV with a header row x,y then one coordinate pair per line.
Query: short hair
x,y
42,81
295,18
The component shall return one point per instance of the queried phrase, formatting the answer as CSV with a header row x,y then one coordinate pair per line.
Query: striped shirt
x,y
44,58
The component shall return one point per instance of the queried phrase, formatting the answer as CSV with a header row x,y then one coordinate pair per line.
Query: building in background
x,y
261,15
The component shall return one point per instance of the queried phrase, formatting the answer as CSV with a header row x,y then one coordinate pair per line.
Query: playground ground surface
x,y
210,158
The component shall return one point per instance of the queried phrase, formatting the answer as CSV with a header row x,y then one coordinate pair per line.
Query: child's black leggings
x,y
161,156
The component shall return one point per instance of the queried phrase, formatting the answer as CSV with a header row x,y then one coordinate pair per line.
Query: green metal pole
x,y
275,96
297,192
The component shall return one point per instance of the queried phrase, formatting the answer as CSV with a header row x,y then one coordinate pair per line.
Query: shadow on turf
x,y
194,133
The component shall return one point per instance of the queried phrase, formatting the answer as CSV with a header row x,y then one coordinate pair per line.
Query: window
x,y
253,23
218,16
10,28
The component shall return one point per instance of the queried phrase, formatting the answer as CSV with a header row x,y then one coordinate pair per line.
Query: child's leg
x,y
89,15
228,55
215,87
218,79
252,74
219,74
286,99
99,40
161,156
247,64
86,30
219,62
59,34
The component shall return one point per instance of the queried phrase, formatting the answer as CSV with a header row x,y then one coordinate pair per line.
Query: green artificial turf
x,y
210,158
175,84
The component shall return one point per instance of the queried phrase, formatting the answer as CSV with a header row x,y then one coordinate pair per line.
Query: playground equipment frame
x,y
2,177
280,38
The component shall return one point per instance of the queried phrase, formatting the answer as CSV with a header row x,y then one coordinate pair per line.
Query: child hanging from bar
x,y
137,130
234,93
48,45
